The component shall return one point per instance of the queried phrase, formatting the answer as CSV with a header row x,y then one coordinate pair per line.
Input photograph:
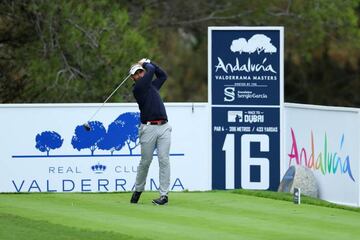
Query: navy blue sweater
x,y
146,93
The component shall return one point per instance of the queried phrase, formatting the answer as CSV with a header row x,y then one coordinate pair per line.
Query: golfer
x,y
154,131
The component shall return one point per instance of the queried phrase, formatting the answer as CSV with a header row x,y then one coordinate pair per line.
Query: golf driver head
x,y
87,126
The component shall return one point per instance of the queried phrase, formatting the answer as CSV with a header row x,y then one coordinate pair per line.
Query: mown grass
x,y
15,227
288,197
237,214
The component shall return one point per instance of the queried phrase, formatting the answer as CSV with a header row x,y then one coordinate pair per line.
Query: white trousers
x,y
154,137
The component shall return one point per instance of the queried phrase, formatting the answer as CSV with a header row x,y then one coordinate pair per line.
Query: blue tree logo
x,y
88,139
123,131
131,121
114,139
47,141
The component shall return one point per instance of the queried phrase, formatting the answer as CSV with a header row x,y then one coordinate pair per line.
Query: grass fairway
x,y
197,215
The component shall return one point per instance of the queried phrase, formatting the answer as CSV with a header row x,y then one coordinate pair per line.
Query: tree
x,y
77,51
321,44
48,140
84,139
68,51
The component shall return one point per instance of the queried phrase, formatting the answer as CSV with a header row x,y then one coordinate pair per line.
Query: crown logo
x,y
98,168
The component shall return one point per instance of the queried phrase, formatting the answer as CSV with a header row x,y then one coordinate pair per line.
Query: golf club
x,y
87,124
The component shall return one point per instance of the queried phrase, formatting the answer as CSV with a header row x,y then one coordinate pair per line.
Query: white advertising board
x,y
44,148
325,140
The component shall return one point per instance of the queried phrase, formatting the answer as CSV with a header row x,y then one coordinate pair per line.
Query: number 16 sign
x,y
246,96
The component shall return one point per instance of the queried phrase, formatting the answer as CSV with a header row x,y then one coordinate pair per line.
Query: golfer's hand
x,y
144,60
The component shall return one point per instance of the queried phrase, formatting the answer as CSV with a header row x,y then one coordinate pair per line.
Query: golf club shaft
x,y
109,97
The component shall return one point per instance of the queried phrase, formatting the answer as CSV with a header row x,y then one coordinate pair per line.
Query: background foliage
x,y
78,51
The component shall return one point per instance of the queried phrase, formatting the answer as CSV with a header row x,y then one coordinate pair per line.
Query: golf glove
x,y
144,60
